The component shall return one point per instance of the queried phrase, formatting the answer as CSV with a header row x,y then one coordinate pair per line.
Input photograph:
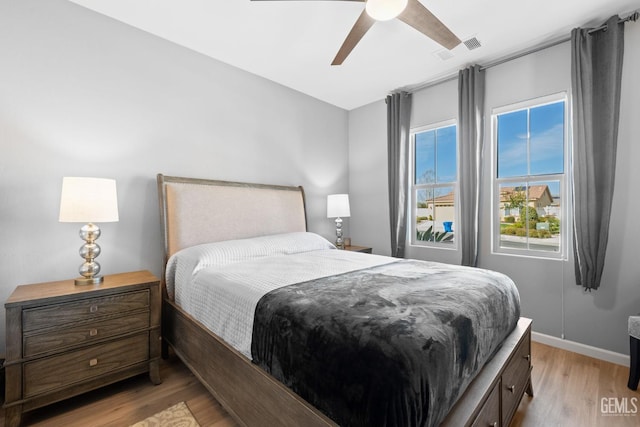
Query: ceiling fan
x,y
410,12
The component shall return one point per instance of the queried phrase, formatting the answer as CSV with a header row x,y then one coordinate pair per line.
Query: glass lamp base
x,y
83,281
89,269
339,241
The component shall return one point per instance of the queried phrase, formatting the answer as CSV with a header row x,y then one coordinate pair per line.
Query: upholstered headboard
x,y
196,211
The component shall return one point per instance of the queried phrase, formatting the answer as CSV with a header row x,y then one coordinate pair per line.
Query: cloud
x,y
546,151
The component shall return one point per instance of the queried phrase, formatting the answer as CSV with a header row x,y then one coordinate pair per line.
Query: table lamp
x,y
89,200
338,207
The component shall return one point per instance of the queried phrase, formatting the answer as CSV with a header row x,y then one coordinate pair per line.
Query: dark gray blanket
x,y
394,345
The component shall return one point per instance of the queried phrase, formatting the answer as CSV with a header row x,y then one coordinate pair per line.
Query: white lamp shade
x,y
88,200
338,206
384,10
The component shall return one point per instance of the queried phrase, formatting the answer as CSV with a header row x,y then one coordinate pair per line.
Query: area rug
x,y
178,415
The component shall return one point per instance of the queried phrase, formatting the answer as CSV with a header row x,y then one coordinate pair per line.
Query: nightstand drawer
x,y
86,309
55,372
84,333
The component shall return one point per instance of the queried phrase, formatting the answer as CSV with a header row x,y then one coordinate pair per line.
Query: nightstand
x,y
353,248
63,339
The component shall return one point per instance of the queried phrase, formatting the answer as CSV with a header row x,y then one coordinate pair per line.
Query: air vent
x,y
472,43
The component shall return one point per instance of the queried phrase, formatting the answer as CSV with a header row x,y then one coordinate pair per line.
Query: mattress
x,y
392,345
367,339
220,284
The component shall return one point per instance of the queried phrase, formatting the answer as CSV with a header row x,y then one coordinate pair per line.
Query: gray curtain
x,y
596,70
471,134
398,118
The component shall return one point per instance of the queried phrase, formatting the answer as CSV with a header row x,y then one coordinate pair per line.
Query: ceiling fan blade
x,y
420,18
358,30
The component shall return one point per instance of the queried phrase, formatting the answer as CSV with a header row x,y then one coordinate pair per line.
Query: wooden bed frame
x,y
195,211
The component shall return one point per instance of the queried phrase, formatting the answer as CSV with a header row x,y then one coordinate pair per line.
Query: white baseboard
x,y
576,347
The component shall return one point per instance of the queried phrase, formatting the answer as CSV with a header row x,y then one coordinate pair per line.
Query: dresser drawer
x,y
51,373
83,333
80,310
514,380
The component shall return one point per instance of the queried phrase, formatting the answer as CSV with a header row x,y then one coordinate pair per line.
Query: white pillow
x,y
187,262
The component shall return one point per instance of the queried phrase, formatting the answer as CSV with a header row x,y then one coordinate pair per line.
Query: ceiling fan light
x,y
384,10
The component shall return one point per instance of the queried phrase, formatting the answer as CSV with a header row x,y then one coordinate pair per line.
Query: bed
x,y
267,372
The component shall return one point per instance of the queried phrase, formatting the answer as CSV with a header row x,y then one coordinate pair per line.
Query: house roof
x,y
536,192
446,199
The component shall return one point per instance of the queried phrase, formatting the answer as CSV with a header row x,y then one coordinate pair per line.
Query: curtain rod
x,y
632,17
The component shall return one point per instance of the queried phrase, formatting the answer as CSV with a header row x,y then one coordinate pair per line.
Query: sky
x,y
545,142
436,155
530,141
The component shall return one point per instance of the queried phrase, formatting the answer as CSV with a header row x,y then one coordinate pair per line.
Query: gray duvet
x,y
394,345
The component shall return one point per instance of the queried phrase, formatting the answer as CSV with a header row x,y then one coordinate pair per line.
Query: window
x,y
433,185
529,180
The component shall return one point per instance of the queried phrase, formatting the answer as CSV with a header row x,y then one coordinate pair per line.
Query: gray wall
x,y
434,105
549,295
368,188
85,95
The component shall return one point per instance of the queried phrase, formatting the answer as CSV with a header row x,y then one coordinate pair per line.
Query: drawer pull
x,y
512,388
528,357
93,332
93,308
494,424
93,362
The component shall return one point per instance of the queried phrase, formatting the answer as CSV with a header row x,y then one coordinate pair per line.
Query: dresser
x,y
63,339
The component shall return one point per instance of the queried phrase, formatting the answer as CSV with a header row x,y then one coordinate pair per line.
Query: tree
x,y
427,177
517,200
528,213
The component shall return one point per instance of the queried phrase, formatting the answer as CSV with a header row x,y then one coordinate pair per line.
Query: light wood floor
x,y
569,388
568,391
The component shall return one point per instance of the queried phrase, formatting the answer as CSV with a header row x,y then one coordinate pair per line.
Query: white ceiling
x,y
294,42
